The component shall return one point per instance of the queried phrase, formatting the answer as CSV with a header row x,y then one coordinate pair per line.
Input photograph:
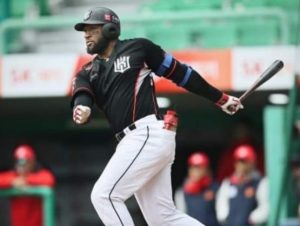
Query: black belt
x,y
119,136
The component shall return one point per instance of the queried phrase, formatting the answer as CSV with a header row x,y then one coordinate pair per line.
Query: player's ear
x,y
110,31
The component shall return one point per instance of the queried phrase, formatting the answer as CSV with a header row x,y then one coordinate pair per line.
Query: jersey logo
x,y
122,64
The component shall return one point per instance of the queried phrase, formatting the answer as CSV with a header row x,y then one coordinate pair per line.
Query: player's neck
x,y
106,54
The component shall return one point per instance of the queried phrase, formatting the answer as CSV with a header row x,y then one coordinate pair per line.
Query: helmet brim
x,y
80,26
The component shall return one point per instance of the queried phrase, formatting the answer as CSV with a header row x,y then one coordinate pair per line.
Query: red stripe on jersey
x,y
171,72
135,96
153,97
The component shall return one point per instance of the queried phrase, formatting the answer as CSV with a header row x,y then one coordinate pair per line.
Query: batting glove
x,y
81,114
229,104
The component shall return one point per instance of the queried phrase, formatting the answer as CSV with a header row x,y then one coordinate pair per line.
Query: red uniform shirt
x,y
27,210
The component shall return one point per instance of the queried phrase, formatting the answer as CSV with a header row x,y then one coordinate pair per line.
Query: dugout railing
x,y
280,143
46,194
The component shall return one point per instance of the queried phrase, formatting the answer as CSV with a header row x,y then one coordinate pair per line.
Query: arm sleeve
x,y
179,200
165,65
41,178
222,202
81,91
83,99
260,214
6,179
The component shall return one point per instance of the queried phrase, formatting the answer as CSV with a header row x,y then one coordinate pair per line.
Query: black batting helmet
x,y
102,16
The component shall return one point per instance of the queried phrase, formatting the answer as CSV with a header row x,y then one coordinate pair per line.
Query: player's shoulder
x,y
84,70
88,66
8,173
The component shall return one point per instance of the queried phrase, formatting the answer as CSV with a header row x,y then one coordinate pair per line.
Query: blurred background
x,y
229,42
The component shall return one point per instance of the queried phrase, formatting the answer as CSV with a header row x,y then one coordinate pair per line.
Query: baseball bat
x,y
275,67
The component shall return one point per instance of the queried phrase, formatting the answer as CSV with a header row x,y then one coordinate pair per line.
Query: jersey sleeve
x,y
41,178
222,201
165,65
6,179
260,214
180,200
81,85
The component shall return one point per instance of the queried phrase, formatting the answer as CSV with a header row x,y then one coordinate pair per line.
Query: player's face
x,y
243,167
95,42
196,173
23,167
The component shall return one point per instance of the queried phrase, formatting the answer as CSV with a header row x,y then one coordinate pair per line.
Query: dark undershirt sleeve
x,y
82,93
83,99
164,65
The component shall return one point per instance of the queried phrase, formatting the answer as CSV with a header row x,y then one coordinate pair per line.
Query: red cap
x,y
198,159
245,152
24,152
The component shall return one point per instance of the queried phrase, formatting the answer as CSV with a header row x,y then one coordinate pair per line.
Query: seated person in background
x,y
242,199
26,210
197,197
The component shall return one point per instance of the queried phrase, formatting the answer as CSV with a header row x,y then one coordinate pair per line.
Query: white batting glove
x,y
81,114
229,104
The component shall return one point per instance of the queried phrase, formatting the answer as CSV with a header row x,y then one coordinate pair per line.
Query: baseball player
x,y
119,81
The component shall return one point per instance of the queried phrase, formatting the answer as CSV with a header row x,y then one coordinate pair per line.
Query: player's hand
x,y
81,114
19,182
229,104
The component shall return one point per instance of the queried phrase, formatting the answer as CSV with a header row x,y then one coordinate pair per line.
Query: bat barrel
x,y
276,66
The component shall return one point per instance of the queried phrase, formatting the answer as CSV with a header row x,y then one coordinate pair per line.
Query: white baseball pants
x,y
140,166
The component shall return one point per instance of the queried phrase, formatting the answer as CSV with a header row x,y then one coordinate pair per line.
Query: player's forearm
x,y
82,108
189,79
260,214
6,180
196,84
43,178
6,184
222,203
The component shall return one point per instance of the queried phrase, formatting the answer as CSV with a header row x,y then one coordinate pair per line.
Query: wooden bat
x,y
275,67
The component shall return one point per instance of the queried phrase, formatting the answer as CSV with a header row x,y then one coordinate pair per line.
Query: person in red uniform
x,y
242,199
197,195
26,210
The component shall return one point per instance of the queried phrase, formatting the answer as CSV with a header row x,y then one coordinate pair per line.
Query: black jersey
x,y
122,86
